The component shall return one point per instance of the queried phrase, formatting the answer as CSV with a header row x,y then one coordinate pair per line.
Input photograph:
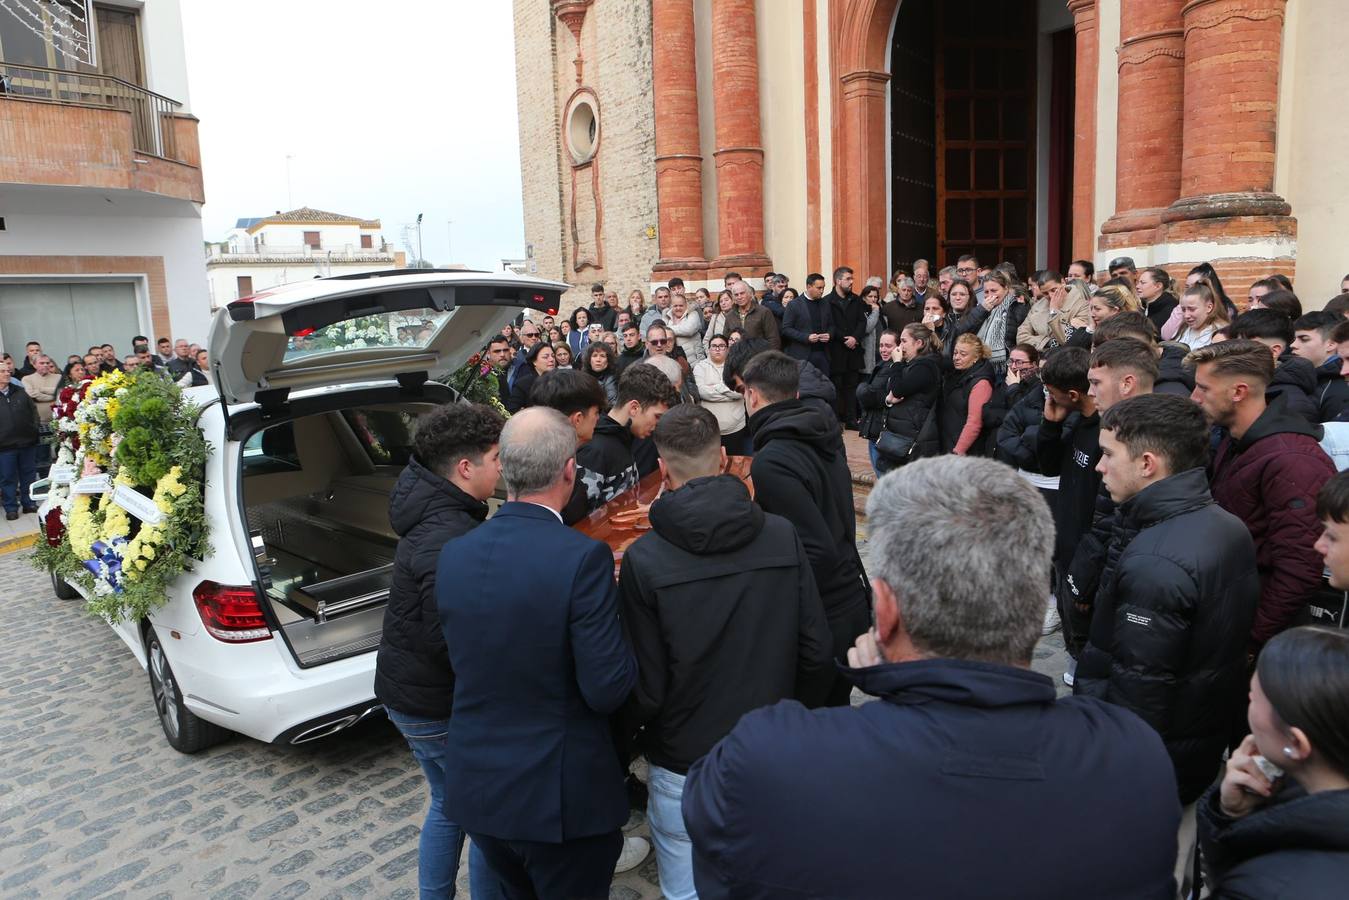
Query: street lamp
x,y
421,260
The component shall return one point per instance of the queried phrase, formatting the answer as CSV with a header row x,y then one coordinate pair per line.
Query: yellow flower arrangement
x,y
141,551
83,528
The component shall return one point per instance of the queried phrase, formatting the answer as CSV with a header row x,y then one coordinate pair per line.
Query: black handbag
x,y
897,448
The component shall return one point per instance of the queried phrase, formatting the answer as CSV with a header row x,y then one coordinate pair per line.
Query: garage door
x,y
67,318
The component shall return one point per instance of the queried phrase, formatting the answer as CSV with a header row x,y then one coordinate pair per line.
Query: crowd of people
x,y
29,389
1158,479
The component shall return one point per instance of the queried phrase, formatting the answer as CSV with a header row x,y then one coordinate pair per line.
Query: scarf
x,y
996,326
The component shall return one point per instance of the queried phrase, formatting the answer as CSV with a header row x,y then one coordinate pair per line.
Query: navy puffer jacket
x,y
412,671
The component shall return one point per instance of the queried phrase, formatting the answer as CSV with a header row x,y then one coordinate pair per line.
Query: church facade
x,y
696,137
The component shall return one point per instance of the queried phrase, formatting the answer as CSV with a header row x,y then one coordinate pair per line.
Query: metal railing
x,y
152,115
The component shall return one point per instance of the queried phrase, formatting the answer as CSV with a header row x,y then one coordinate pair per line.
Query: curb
x,y
13,545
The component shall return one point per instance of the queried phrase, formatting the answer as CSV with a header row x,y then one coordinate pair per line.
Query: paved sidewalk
x,y
19,533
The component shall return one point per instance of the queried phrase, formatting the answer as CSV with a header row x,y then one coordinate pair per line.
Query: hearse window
x,y
271,450
385,434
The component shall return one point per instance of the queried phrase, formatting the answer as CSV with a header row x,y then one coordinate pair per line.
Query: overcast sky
x,y
387,110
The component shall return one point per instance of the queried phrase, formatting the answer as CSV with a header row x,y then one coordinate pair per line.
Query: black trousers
x,y
579,869
846,627
845,384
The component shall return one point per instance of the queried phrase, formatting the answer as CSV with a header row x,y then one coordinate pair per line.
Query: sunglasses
x,y
658,342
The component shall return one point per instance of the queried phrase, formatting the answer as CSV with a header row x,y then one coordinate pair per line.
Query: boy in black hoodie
x,y
721,608
605,465
800,472
1068,444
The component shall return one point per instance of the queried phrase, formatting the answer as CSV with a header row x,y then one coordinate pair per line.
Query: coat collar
x,y
956,681
526,511
1180,493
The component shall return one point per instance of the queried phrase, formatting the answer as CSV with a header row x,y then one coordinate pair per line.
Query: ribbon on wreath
x,y
107,562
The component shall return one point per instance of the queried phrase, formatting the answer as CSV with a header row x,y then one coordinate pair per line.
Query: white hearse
x,y
310,421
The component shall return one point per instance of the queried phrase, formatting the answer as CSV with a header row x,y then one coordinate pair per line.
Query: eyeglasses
x,y
529,334
658,342
967,269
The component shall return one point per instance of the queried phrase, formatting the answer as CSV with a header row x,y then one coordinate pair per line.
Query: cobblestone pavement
x,y
94,803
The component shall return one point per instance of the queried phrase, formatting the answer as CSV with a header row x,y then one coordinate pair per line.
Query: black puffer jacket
x,y
720,605
1170,625
1071,449
1295,380
1298,846
916,384
1332,391
801,473
412,671
1005,398
1017,435
18,418
1174,377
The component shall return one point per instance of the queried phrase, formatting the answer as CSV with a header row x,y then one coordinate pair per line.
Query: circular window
x,y
583,129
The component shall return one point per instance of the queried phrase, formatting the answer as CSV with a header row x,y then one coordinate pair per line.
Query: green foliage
x,y
144,419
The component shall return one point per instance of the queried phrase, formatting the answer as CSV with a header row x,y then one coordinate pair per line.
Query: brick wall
x,y
616,47
50,143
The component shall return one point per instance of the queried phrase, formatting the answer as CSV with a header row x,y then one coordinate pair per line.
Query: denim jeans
x,y
442,841
875,458
674,851
17,469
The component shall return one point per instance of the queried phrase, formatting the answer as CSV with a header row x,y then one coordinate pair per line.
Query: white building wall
x,y
175,238
223,280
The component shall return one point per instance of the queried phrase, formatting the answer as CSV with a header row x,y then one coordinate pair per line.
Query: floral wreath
x,y
137,430
473,382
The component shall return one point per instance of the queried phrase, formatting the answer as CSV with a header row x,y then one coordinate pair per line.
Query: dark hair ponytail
x,y
1305,674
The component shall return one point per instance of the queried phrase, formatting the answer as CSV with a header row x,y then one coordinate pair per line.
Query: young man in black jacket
x,y
1067,445
1173,611
605,465
720,605
800,472
440,496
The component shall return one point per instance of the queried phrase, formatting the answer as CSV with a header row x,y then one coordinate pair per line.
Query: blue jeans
x,y
17,469
442,841
674,851
875,458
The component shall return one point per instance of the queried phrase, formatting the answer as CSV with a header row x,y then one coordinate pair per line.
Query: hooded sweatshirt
x,y
1269,479
604,465
1332,391
800,472
1295,380
720,605
1173,377
412,671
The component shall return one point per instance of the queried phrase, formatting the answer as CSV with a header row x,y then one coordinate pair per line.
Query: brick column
x,y
860,225
1232,50
1084,129
679,164
739,153
1151,98
1231,109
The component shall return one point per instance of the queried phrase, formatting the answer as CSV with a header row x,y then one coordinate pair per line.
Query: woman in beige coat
x,y
1061,310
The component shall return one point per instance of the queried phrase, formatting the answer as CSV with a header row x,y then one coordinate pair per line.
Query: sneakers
x,y
1069,674
1052,622
635,850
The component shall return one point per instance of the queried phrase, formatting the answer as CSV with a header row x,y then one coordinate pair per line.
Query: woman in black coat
x,y
538,360
1283,830
1022,379
911,390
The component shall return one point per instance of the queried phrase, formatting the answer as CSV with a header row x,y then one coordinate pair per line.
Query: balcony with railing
x,y
264,254
62,127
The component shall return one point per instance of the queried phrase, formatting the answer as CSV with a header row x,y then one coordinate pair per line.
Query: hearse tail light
x,y
231,614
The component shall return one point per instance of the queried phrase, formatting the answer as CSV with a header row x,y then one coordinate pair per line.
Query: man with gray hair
x,y
530,615
946,786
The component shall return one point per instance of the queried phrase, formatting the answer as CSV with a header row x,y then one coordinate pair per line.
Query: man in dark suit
x,y
845,348
808,325
530,613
